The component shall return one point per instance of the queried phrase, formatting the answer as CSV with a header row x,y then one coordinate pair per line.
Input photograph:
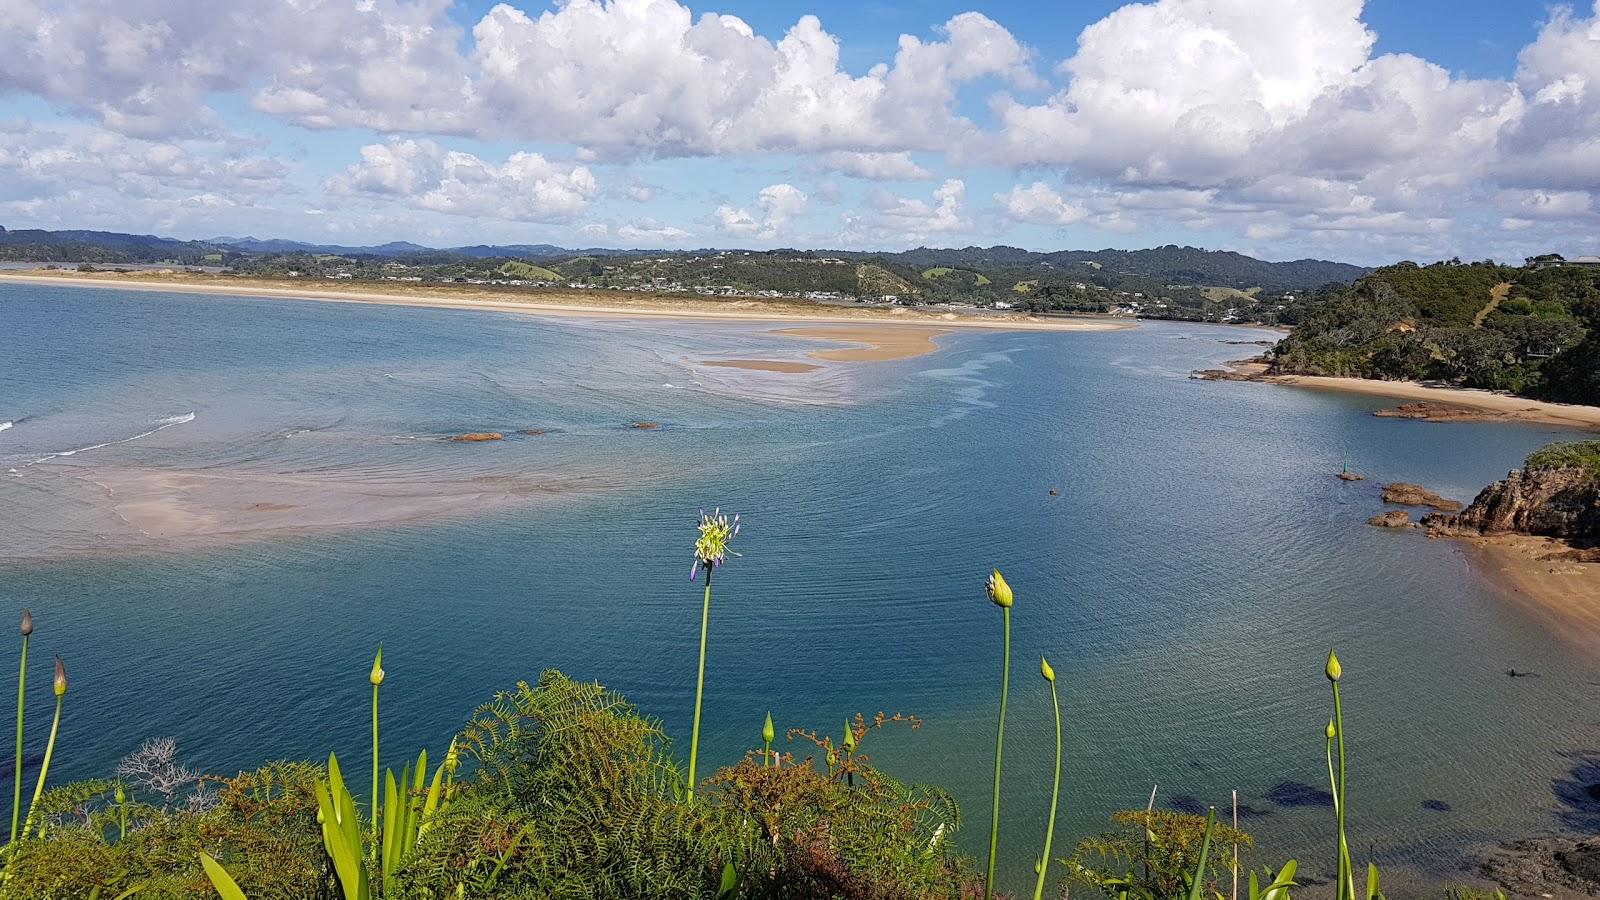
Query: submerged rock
x,y
1348,475
1407,494
535,432
644,426
474,436
1394,518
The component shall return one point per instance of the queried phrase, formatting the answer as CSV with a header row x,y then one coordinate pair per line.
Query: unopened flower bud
x,y
377,668
1334,670
767,731
27,622
849,737
1045,670
1330,731
61,678
120,794
999,591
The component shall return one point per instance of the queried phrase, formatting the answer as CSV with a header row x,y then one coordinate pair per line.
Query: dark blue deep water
x,y
1186,584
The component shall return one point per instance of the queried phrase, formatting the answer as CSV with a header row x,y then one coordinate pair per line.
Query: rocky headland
x,y
1555,495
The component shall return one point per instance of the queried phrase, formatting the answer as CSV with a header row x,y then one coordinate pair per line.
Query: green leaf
x,y
220,879
730,883
1197,885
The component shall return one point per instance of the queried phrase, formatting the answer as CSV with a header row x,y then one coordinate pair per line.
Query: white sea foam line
x,y
5,425
161,425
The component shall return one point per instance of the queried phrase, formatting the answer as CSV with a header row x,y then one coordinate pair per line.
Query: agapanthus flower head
x,y
711,547
999,591
61,678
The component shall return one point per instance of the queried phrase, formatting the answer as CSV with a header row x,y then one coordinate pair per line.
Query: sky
x,y
1363,132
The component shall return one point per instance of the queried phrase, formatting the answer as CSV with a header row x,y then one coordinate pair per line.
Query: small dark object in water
x,y
1246,811
1054,492
1435,806
1187,803
1515,674
1298,793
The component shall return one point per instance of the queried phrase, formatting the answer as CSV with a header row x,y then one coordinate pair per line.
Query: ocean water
x,y
1186,583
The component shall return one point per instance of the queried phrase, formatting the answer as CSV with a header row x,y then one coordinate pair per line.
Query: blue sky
x,y
1282,128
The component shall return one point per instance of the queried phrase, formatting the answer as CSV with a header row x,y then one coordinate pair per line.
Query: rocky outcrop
x,y
1403,493
1348,475
1394,518
475,436
1428,411
644,426
1545,867
1561,502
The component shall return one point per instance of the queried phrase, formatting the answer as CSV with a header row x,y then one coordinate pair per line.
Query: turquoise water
x,y
1186,584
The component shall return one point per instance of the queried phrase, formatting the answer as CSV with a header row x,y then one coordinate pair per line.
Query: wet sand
x,y
132,508
555,302
1562,594
877,342
762,365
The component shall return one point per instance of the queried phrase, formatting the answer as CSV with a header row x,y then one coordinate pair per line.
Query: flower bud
x,y
377,668
1334,670
767,731
1045,670
120,794
61,678
999,591
1330,732
849,737
27,622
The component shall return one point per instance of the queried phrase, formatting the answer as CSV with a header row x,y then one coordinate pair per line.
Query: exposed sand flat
x,y
140,508
548,302
879,342
1563,594
762,365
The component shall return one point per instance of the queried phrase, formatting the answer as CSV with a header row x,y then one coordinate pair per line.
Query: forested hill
x,y
1165,282
1532,330
1170,264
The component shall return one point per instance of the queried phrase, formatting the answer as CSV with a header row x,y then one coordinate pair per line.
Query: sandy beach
x,y
557,302
1562,594
1491,405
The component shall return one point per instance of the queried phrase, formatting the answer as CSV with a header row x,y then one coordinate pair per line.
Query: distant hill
x,y
1163,282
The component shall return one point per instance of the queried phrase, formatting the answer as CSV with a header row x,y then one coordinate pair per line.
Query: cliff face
x,y
1559,502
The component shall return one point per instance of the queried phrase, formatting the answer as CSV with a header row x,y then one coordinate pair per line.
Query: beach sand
x,y
877,342
1562,594
557,302
1493,406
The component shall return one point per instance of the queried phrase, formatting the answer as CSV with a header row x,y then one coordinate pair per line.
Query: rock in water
x,y
1394,518
1556,495
1348,475
474,436
1406,494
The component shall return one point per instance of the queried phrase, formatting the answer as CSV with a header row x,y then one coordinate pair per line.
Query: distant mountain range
x,y
1169,264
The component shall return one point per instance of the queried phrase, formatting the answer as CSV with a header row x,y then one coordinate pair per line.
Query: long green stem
x,y
999,746
374,771
1055,795
699,685
44,769
16,793
1347,887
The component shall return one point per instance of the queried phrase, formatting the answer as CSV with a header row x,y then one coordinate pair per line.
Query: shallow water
x,y
1186,584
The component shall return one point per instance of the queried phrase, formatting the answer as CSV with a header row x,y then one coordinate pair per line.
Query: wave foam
x,y
161,425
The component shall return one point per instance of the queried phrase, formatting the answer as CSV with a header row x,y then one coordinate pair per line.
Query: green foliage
x,y
1443,322
1154,855
1583,455
516,268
